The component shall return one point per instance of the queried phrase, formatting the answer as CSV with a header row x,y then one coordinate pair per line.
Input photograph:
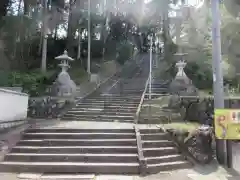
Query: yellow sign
x,y
227,123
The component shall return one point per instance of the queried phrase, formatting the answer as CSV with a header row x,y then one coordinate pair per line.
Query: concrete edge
x,y
13,92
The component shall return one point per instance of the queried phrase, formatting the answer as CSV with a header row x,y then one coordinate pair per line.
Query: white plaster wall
x,y
13,105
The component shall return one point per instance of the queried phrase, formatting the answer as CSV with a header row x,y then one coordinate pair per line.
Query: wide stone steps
x,y
94,107
157,143
74,149
80,135
168,166
98,151
78,142
164,159
108,109
99,113
100,117
73,118
160,152
110,102
70,167
87,101
67,130
78,157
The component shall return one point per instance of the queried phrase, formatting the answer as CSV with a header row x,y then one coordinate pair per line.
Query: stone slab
x,y
113,177
29,176
68,177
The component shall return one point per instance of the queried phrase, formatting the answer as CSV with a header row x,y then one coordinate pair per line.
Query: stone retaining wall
x,y
46,107
201,108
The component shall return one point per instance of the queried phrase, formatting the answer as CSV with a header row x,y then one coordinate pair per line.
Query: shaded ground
x,y
209,172
236,156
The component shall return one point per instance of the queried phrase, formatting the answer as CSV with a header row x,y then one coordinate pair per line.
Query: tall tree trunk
x,y
70,30
17,32
44,47
26,7
104,31
56,31
79,45
4,4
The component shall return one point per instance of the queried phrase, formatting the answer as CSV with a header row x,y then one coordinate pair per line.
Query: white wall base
x,y
13,105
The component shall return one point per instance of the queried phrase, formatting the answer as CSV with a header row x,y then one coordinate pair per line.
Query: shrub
x,y
125,52
34,83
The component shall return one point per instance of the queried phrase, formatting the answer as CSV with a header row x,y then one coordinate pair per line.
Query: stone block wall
x,y
46,107
200,108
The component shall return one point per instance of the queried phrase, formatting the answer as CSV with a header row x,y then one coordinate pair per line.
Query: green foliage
x,y
34,83
125,52
201,77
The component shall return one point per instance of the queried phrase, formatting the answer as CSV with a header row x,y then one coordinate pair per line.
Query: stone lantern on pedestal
x,y
65,86
181,84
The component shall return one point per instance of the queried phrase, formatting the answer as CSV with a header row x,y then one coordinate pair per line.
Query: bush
x,y
201,77
125,52
34,83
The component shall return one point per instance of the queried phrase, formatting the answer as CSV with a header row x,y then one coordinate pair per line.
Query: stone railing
x,y
141,159
196,146
13,105
141,102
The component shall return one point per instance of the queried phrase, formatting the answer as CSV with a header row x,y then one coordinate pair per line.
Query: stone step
x,y
107,158
87,135
164,159
150,121
115,97
78,142
168,166
108,106
102,116
156,136
159,151
123,109
75,149
67,167
61,130
73,118
157,143
150,131
107,103
108,94
113,100
105,112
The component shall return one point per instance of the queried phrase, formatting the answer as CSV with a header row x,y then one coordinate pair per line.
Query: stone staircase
x,y
160,152
159,87
117,102
98,151
102,108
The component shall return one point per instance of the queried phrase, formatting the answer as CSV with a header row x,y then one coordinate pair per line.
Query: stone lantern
x,y
64,58
181,84
65,86
181,64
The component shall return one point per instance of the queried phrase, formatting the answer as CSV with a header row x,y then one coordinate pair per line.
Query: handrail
x,y
141,159
141,102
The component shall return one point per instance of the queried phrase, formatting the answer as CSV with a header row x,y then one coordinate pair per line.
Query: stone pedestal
x,y
95,78
181,84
